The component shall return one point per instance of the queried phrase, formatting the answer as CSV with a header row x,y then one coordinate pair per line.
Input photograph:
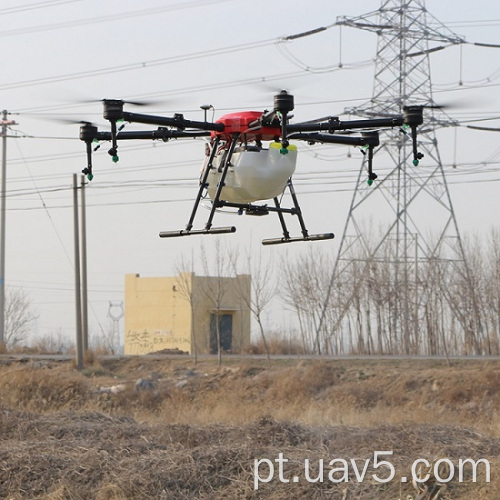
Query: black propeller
x,y
140,102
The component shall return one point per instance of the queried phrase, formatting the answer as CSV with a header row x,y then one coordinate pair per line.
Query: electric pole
x,y
78,283
85,300
81,295
3,205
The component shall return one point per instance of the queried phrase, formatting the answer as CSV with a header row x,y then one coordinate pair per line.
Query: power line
x,y
38,111
334,178
184,90
116,16
474,24
141,65
35,6
315,153
45,207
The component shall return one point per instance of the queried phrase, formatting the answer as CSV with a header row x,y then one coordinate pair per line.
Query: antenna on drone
x,y
403,200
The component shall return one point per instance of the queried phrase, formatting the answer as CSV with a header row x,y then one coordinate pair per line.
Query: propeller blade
x,y
139,102
70,121
433,106
143,103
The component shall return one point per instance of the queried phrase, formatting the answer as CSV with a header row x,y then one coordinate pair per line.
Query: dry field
x,y
197,432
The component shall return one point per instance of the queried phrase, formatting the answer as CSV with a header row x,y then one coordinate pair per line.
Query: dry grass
x,y
196,435
277,344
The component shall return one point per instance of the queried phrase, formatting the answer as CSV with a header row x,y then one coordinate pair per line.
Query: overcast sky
x,y
59,55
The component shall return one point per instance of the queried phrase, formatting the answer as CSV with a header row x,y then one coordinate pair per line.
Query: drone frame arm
x,y
367,139
113,112
177,121
89,134
161,133
412,117
333,124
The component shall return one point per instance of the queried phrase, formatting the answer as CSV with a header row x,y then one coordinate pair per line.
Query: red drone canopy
x,y
238,123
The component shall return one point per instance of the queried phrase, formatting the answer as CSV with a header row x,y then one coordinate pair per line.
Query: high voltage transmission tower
x,y
115,314
387,243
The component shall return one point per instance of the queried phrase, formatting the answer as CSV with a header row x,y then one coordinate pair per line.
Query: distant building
x,y
182,313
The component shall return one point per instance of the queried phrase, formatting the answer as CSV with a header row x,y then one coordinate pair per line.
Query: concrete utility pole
x,y
81,294
85,300
3,197
78,285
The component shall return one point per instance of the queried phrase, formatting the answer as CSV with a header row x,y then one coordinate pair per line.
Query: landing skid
x,y
248,208
184,232
310,237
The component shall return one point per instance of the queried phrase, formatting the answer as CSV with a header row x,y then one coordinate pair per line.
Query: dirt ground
x,y
167,428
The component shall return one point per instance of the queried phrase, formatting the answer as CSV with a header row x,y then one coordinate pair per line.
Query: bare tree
x,y
303,285
18,317
435,306
492,290
185,275
263,289
215,288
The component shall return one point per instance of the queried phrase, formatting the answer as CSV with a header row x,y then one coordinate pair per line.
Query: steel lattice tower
x,y
388,222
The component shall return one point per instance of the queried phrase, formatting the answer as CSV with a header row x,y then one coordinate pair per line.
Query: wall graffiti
x,y
143,342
